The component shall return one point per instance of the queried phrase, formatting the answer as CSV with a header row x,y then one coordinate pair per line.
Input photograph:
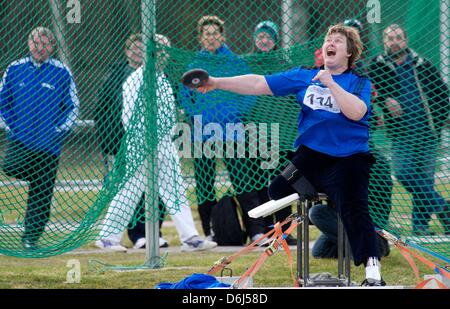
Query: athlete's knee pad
x,y
279,188
298,182
290,173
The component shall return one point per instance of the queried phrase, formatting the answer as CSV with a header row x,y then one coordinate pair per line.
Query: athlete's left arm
x,y
351,106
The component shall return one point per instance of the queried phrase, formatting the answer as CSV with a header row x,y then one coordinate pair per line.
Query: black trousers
x,y
345,180
39,170
380,188
242,178
136,228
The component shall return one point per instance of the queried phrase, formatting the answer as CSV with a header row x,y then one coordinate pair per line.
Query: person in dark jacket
x,y
39,104
415,103
108,112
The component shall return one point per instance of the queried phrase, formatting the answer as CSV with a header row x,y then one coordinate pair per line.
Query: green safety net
x,y
112,158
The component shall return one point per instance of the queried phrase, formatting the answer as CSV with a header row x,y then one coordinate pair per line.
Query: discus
x,y
195,78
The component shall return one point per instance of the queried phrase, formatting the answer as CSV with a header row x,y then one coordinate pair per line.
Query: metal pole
x,y
293,28
340,246
58,28
299,243
445,39
286,23
374,41
306,204
347,260
148,20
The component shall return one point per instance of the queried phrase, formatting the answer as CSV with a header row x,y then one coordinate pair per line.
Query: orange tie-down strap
x,y
407,254
277,237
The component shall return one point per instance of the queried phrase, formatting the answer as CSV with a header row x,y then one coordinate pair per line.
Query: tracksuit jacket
x,y
38,103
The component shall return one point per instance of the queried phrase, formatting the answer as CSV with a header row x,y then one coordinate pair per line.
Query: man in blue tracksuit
x,y
39,104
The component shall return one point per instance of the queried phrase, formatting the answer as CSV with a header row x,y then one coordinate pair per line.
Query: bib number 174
x,y
320,98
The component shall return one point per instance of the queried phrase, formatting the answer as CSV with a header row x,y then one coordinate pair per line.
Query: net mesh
x,y
134,131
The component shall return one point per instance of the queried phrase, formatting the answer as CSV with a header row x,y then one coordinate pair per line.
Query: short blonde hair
x,y
43,31
210,20
354,43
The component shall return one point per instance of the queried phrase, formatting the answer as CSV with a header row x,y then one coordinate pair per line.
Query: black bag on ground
x,y
226,224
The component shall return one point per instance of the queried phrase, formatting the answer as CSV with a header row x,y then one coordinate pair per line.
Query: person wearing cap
x,y
221,108
266,36
266,43
268,60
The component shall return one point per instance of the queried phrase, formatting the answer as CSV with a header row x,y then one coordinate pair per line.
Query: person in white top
x,y
171,187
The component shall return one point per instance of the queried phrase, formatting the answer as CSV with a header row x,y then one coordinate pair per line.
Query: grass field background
x,y
52,272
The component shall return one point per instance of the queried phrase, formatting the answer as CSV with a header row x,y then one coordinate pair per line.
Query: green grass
x,y
400,217
52,272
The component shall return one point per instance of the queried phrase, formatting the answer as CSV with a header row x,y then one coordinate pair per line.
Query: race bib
x,y
317,97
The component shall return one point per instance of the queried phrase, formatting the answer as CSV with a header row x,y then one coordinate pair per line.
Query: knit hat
x,y
267,26
354,23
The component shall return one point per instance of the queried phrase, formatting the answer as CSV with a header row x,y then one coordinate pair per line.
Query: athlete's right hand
x,y
209,85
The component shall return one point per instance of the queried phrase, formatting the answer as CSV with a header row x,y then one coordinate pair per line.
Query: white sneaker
x,y
264,241
140,243
195,243
108,245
